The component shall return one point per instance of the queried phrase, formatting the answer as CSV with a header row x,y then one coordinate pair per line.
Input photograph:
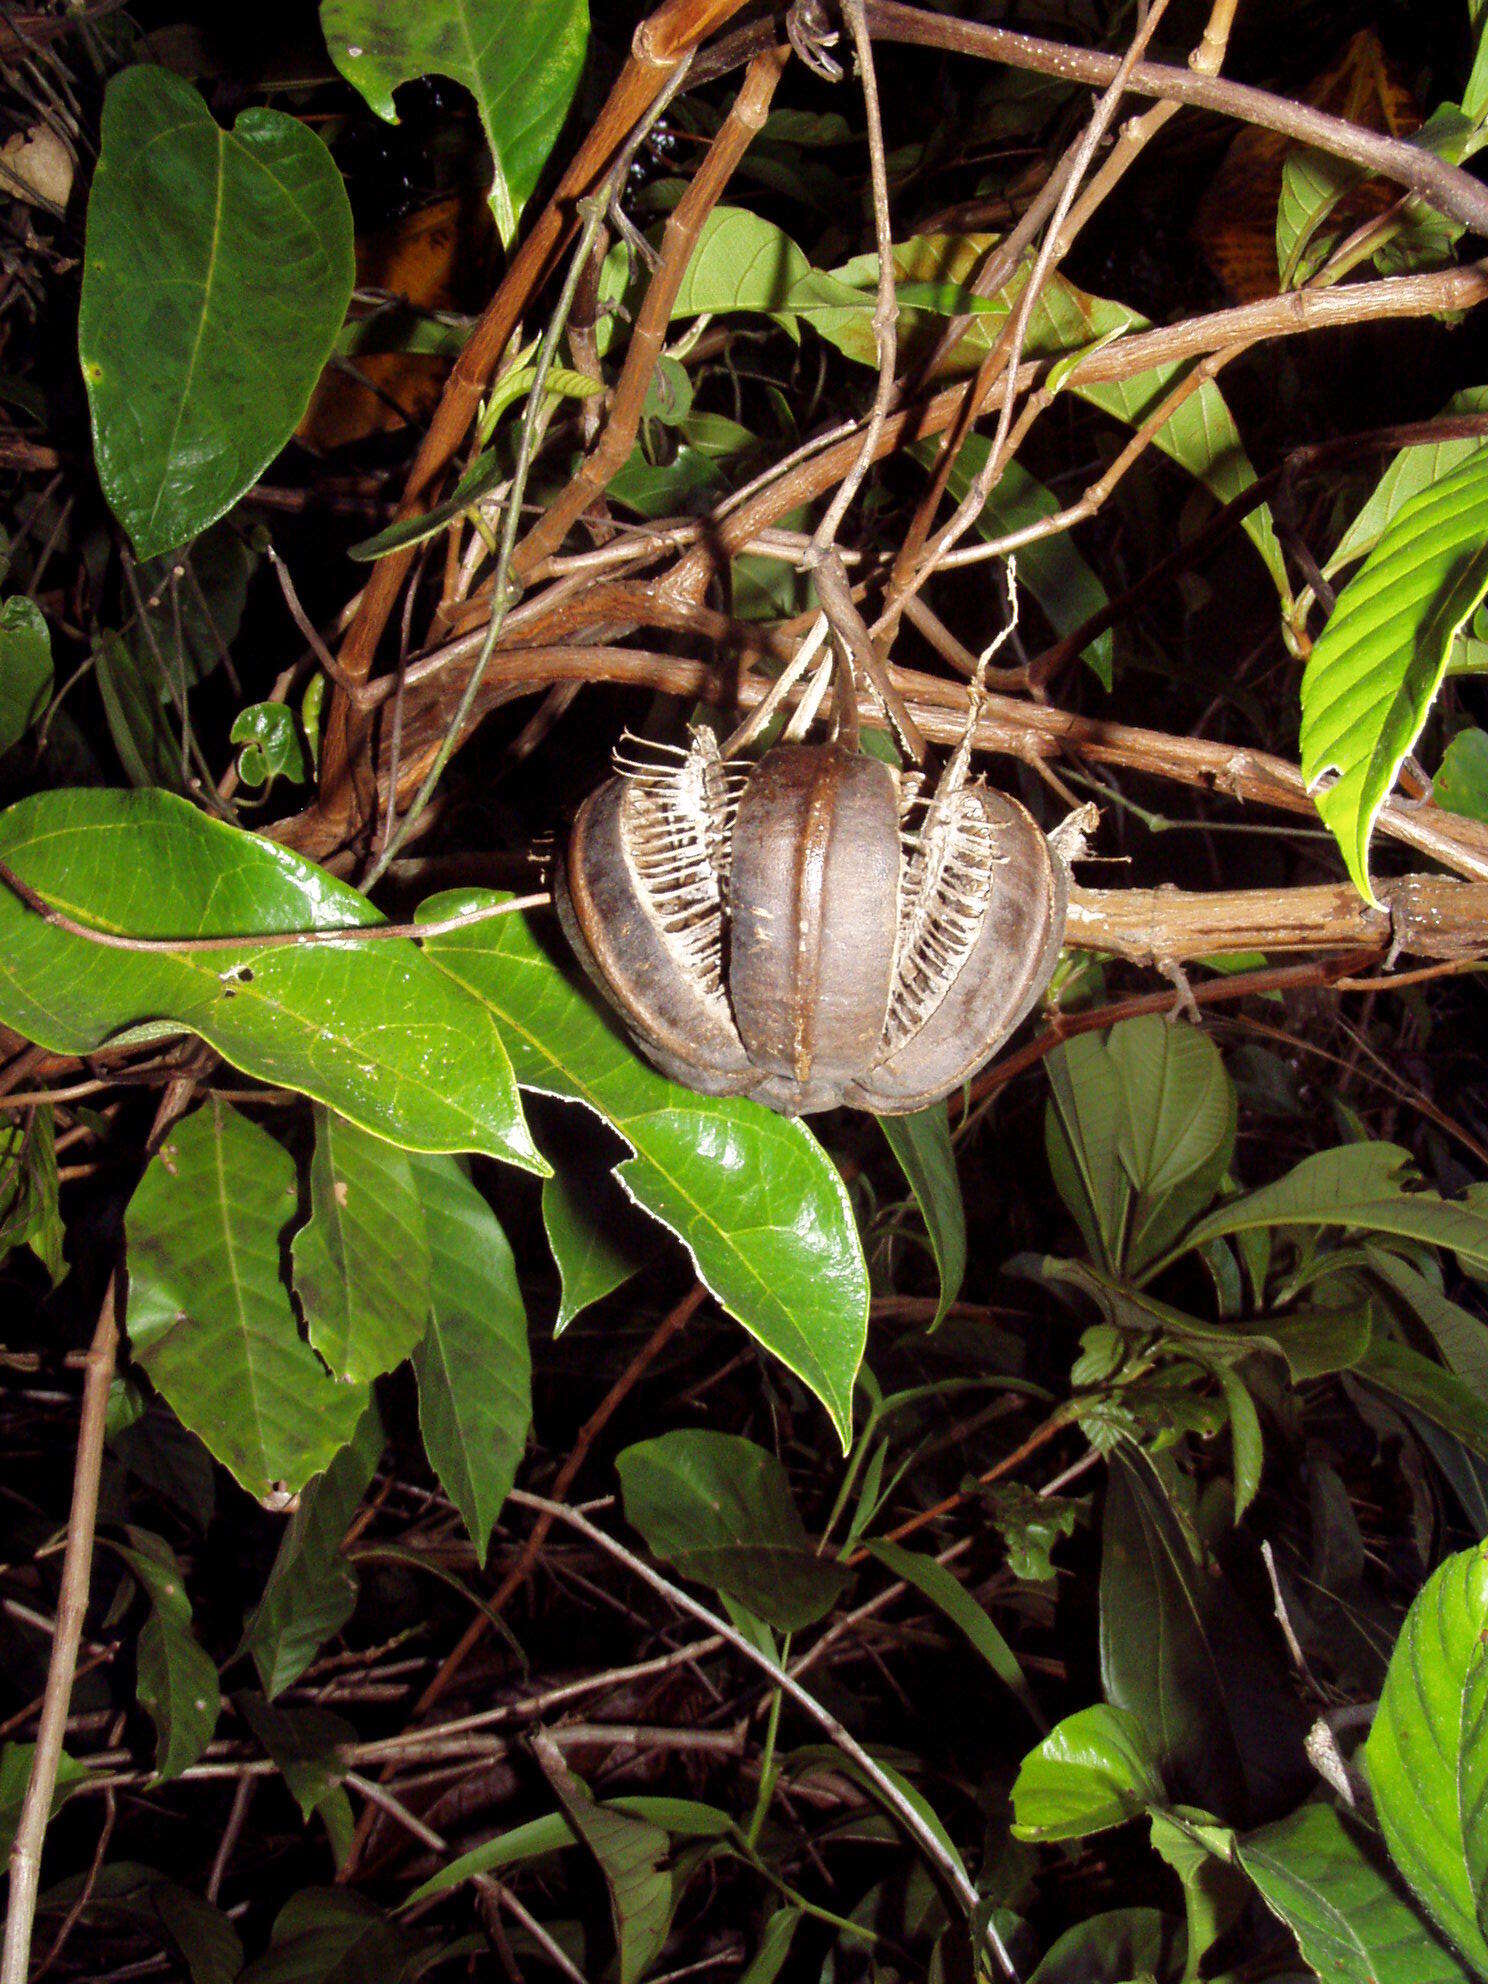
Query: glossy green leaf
x,y
209,1317
216,272
1461,782
1372,677
721,1509
1427,1752
310,1745
1350,1921
946,1592
332,1936
474,1367
1214,1889
1177,1128
372,1030
631,1855
1247,1444
592,1255
752,1196
1358,1185
1093,1770
1120,1946
521,64
25,668
361,1260
922,1144
176,1681
311,1590
1051,567
272,745
741,262
1411,470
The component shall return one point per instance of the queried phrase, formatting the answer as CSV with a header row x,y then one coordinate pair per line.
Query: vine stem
x,y
889,1794
72,1603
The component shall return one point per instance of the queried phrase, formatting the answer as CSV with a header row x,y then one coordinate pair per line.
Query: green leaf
x,y
946,1592
1092,1771
530,1841
1051,567
922,1144
752,1196
1412,470
25,668
176,1682
332,1936
631,1855
1119,1946
1427,1753
474,1367
361,1260
310,1745
372,1030
592,1255
1177,1127
1312,184
15,1774
273,746
312,1591
1179,1652
136,1898
774,1947
1214,1889
1461,782
1372,677
134,708
720,1509
1405,1375
28,1191
1030,1525
1350,1922
1461,1337
741,262
1362,1185
521,64
209,1318
1081,1129
216,272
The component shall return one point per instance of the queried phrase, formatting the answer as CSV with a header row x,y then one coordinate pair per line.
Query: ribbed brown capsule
x,y
808,928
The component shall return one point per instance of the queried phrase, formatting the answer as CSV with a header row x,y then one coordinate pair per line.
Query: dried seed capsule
x,y
807,929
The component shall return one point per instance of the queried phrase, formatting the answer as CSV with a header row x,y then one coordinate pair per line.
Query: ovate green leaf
x,y
721,1510
209,1317
1093,1770
521,64
752,1196
372,1029
1427,1753
361,1260
1371,678
1351,1923
216,273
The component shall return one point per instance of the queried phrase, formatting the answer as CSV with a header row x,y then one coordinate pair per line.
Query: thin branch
x,y
268,940
889,1795
72,1604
